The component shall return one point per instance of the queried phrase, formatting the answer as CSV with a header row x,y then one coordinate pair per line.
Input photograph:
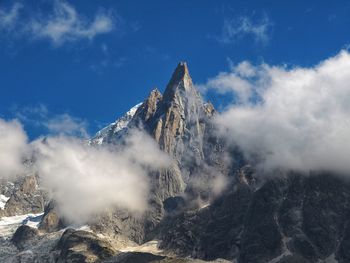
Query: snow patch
x,y
149,247
204,206
3,200
84,228
8,225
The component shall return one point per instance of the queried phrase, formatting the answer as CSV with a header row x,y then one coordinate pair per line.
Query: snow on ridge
x,y
116,126
8,225
122,122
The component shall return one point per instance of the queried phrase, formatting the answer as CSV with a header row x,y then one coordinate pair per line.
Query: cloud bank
x,y
295,118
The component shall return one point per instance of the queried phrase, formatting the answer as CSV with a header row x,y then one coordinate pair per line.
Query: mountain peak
x,y
180,82
181,72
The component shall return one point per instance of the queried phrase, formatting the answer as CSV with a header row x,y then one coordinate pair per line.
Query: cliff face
x,y
290,218
179,121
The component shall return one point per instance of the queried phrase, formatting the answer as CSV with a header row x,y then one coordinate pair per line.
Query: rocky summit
x,y
210,203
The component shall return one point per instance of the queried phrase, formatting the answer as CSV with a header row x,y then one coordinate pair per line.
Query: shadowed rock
x,y
23,235
82,246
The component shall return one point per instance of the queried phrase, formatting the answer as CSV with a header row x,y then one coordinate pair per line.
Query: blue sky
x,y
90,61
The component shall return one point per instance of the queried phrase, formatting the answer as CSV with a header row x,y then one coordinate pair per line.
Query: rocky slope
x,y
210,204
290,218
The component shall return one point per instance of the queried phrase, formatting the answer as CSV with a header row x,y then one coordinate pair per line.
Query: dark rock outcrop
x,y
136,257
23,235
82,246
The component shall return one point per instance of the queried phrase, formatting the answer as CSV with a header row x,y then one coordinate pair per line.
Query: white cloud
x,y
66,25
239,27
302,120
237,81
9,18
60,25
13,146
86,180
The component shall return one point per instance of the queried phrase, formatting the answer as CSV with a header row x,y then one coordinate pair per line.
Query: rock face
x,y
178,122
24,197
51,220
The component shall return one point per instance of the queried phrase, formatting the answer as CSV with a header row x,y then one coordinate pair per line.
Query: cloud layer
x,y
295,118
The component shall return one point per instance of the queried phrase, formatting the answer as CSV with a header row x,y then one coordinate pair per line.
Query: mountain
x,y
179,121
210,204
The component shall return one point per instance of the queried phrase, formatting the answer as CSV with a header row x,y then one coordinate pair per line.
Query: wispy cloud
x,y
9,18
237,28
68,125
55,124
61,25
65,25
